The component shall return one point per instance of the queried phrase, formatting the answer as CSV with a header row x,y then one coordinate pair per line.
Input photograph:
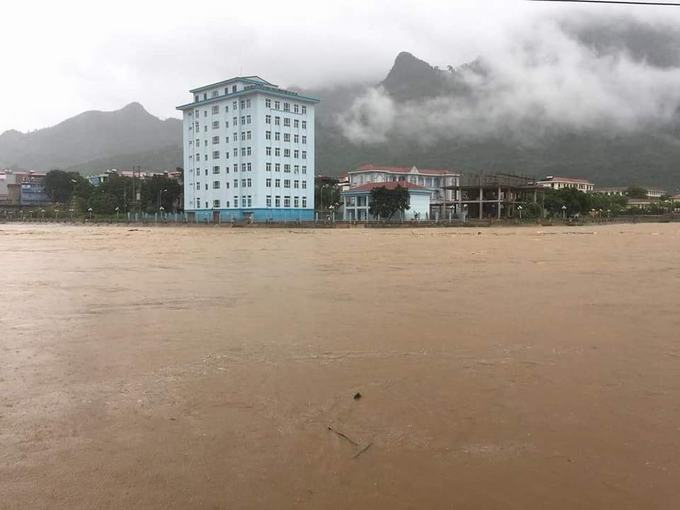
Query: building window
x,y
216,154
296,138
304,184
304,202
277,152
304,154
268,182
277,167
268,167
277,201
249,135
296,184
286,122
234,121
304,124
286,183
250,182
249,151
296,200
304,110
226,108
215,109
286,137
235,183
304,170
216,184
277,137
243,104
268,103
277,105
269,201
277,183
286,153
234,105
243,183
286,168
267,119
198,203
304,140
215,140
250,201
286,107
296,154
248,119
235,201
277,121
267,135
216,169
286,201
250,165
296,108
216,124
296,123
268,151
243,167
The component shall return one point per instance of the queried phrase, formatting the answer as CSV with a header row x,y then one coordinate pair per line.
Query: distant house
x,y
558,183
357,201
611,191
98,179
437,181
622,191
23,188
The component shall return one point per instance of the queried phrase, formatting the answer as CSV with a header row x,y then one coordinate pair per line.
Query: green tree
x,y
385,203
636,192
160,187
61,186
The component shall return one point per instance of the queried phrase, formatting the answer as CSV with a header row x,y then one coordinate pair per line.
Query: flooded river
x,y
206,368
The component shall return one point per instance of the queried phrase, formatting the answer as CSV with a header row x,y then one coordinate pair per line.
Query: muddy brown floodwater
x,y
192,368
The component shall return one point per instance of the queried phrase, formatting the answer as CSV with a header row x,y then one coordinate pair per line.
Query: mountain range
x,y
95,141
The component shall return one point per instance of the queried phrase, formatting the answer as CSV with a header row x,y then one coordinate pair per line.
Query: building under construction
x,y
495,196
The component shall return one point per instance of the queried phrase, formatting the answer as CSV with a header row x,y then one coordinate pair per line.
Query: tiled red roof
x,y
389,185
402,170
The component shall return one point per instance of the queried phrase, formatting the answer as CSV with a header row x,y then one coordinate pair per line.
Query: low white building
x,y
558,183
357,201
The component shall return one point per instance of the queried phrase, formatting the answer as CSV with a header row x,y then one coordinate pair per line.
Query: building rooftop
x,y
389,185
552,178
402,170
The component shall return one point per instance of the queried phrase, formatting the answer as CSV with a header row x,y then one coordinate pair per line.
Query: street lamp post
x,y
71,213
56,214
162,209
564,212
160,198
117,209
520,208
89,211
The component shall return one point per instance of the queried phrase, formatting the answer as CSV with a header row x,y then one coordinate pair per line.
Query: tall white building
x,y
248,152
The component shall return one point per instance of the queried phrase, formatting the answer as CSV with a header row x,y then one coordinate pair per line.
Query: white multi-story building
x,y
248,152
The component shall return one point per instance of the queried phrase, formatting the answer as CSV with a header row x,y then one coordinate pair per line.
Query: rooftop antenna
x,y
668,4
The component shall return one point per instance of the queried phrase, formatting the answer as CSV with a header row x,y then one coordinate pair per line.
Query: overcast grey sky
x,y
62,58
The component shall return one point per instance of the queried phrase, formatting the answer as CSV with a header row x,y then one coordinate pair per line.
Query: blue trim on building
x,y
258,215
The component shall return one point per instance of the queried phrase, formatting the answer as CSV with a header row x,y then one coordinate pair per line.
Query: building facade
x,y
248,152
356,201
435,180
23,188
558,183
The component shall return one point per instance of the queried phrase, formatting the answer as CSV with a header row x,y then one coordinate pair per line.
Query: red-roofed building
x,y
434,180
357,201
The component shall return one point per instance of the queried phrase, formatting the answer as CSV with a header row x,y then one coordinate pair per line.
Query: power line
x,y
609,2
